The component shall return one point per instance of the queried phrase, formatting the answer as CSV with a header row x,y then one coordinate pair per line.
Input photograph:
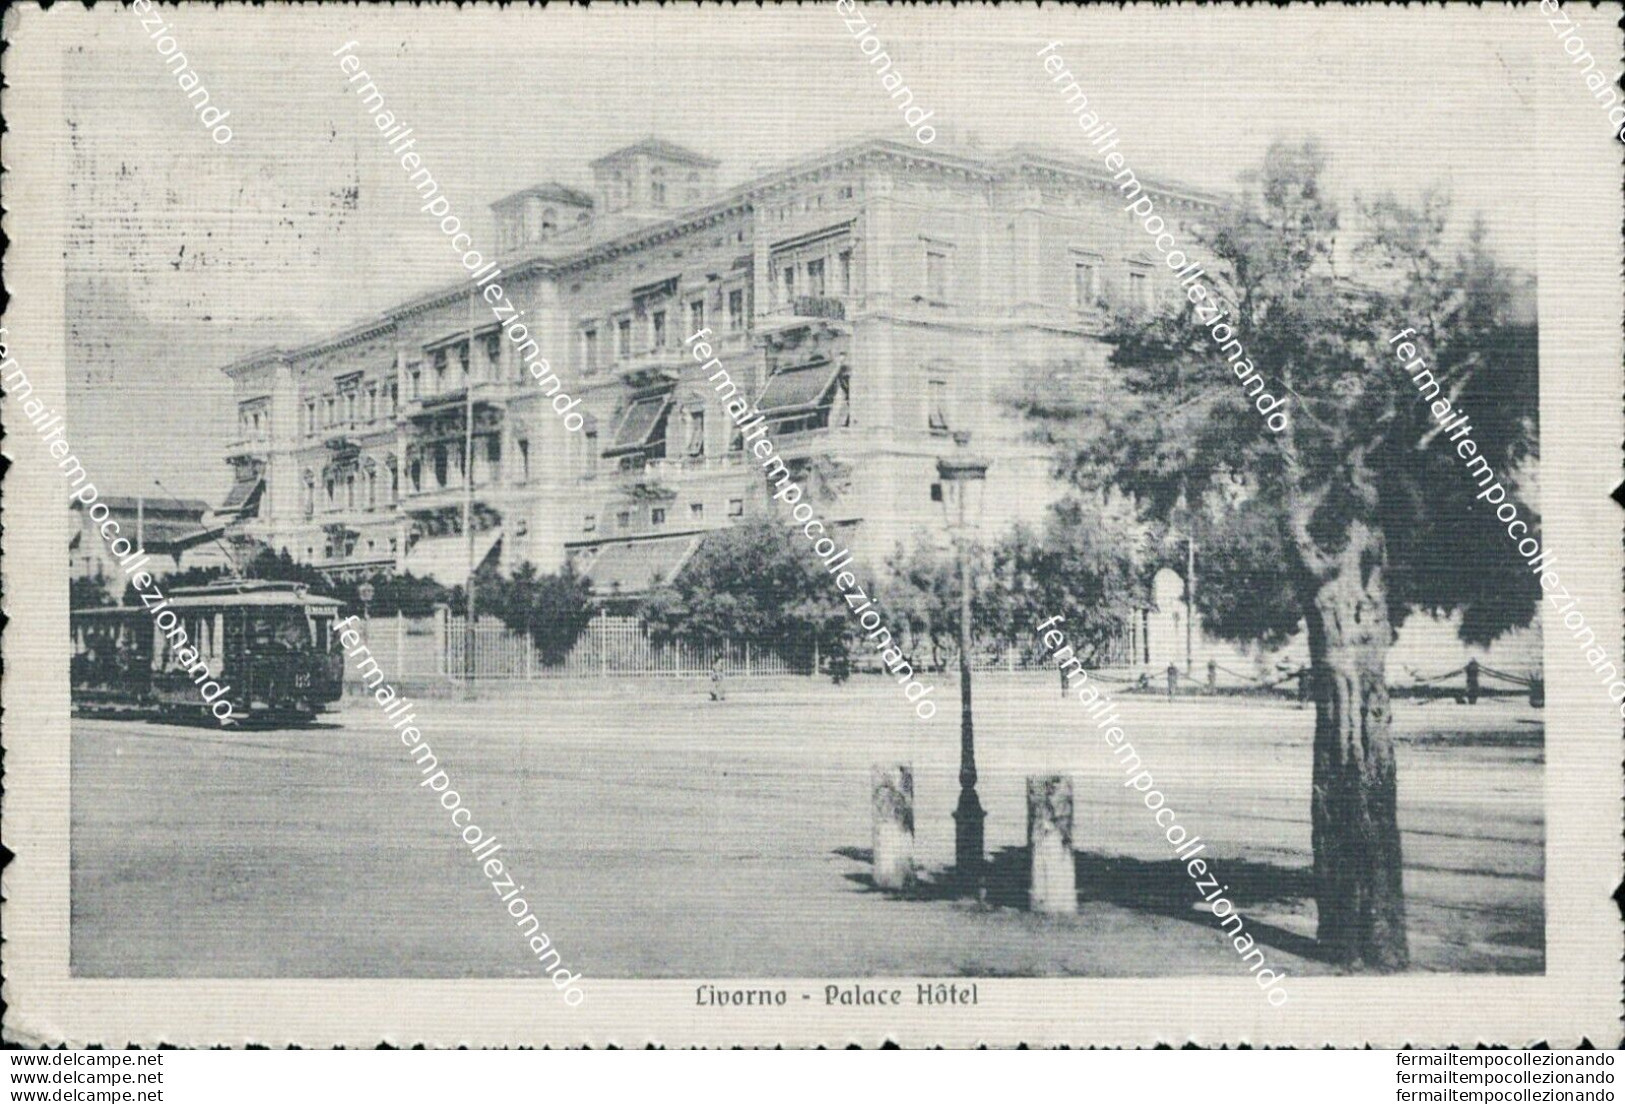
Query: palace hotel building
x,y
872,301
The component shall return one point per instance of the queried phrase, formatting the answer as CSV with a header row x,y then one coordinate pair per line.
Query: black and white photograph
x,y
798,526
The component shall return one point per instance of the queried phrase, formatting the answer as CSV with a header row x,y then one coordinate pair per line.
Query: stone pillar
x,y
892,806
1049,840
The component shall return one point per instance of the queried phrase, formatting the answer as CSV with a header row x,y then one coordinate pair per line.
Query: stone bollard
x,y
1049,839
892,805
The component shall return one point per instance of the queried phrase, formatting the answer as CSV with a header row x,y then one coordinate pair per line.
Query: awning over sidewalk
x,y
635,567
243,500
445,559
639,424
798,390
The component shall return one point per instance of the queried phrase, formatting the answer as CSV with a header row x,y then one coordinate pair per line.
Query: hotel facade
x,y
873,302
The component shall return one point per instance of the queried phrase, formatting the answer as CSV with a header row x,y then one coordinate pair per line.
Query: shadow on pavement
x,y
1162,888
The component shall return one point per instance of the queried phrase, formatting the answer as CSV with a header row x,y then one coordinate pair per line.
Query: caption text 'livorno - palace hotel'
x,y
872,301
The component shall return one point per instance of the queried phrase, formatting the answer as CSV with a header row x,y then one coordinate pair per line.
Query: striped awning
x,y
634,567
639,424
243,500
798,389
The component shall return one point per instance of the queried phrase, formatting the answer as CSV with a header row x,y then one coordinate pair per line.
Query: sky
x,y
187,253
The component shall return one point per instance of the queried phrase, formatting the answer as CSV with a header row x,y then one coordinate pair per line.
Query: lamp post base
x,y
968,818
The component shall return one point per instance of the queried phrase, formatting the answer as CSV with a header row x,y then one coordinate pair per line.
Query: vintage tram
x,y
271,644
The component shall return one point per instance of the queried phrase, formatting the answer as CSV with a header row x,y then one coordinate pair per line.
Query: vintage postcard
x,y
711,526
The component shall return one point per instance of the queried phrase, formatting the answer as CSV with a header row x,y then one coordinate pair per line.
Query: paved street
x,y
662,835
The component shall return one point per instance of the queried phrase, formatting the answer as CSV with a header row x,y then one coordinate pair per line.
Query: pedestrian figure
x,y
719,688
1173,680
1472,682
1212,675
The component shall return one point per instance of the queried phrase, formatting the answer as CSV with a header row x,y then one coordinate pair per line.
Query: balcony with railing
x,y
806,310
248,445
650,366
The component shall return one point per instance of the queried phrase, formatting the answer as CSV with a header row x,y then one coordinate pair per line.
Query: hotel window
x,y
462,358
524,459
623,519
493,354
787,284
349,490
332,409
394,485
417,382
736,310
589,522
695,442
439,370
372,489
1085,284
623,337
414,472
310,498
350,404
657,515
372,402
589,349
657,329
815,277
1139,290
589,461
843,272
696,510
936,398
736,507
936,276
330,486
657,187
696,316
310,415
394,399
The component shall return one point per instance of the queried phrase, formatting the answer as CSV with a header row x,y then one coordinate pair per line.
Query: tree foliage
x,y
551,609
754,582
1178,434
1085,562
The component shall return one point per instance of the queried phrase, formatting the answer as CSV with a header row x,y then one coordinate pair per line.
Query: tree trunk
x,y
1358,874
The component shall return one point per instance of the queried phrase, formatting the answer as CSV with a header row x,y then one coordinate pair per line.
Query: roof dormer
x,y
652,178
535,214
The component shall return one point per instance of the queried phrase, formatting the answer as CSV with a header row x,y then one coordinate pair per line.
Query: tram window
x,y
280,628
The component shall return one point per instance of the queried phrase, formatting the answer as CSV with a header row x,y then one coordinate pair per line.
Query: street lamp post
x,y
962,478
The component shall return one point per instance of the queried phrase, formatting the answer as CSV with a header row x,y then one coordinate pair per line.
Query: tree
x,y
1353,515
85,592
1083,562
552,609
754,582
